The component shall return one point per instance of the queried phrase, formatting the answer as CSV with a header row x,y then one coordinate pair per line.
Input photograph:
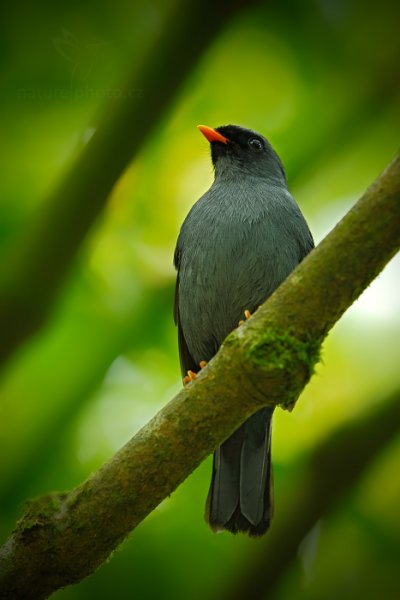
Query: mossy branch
x,y
64,537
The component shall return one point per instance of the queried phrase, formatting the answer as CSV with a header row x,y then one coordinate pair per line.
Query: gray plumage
x,y
237,244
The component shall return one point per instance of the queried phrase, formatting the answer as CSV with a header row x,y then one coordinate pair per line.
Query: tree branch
x,y
334,468
64,537
31,277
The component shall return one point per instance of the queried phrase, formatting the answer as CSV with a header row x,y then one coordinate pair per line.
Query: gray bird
x,y
235,247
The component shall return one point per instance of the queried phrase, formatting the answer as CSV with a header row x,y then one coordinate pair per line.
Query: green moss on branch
x,y
280,355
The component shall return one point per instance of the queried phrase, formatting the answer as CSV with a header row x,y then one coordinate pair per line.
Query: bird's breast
x,y
233,255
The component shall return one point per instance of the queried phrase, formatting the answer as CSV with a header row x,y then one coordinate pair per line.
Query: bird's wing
x,y
177,264
186,360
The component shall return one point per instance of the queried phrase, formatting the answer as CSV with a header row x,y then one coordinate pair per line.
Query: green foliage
x,y
319,79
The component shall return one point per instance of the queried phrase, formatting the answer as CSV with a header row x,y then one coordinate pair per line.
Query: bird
x,y
237,244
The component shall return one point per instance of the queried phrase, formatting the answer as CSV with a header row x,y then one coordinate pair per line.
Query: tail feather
x,y
240,497
255,466
224,491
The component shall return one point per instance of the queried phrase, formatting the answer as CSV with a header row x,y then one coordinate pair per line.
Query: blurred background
x,y
320,79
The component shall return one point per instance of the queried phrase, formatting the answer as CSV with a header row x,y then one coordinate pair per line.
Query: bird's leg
x,y
247,314
191,375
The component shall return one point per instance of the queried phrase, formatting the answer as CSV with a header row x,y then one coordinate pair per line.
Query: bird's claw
x,y
247,314
191,375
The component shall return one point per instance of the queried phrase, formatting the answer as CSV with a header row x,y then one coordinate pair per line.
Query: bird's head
x,y
237,152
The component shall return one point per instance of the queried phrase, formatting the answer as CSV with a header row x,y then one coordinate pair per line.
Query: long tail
x,y
240,496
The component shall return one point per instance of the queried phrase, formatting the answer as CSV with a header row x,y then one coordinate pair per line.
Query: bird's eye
x,y
255,144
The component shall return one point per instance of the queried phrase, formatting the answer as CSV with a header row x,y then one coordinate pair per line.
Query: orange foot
x,y
247,314
191,375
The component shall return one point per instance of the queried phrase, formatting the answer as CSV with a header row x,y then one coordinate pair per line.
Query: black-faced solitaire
x,y
235,247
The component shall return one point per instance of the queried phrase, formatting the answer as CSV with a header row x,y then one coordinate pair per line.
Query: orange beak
x,y
212,135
